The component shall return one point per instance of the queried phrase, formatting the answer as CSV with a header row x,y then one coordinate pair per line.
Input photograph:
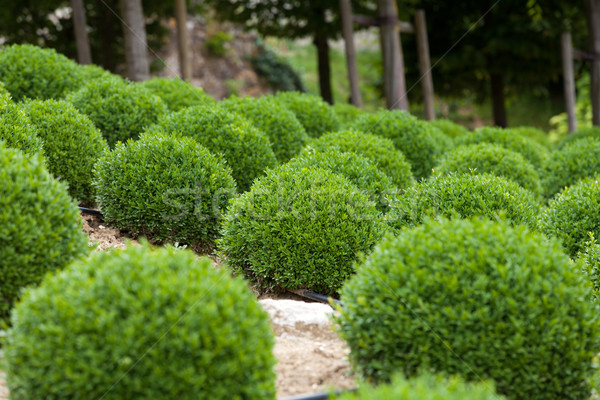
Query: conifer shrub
x,y
463,196
246,149
40,229
533,152
492,159
574,214
346,113
32,72
589,132
313,112
359,171
140,323
575,161
72,144
167,188
417,140
378,150
474,298
285,132
177,94
534,134
16,130
449,128
299,229
120,109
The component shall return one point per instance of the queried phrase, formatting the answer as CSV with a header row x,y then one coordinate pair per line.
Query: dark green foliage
x,y
313,112
449,128
347,113
247,150
40,230
216,44
590,260
299,228
378,150
72,144
425,387
533,152
493,159
475,298
414,138
29,71
568,165
16,130
573,214
120,109
285,132
168,188
90,72
464,196
279,74
534,134
177,94
140,323
358,169
592,131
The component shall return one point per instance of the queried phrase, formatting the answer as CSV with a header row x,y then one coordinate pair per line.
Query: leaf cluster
x,y
177,94
313,112
16,129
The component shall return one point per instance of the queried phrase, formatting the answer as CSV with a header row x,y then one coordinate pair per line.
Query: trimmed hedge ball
x,y
140,323
32,72
449,128
534,134
168,188
90,72
313,112
464,196
346,113
299,229
589,258
4,93
16,129
492,159
475,298
40,228
120,109
533,152
247,150
177,94
285,132
414,138
72,144
575,161
378,150
359,171
574,214
589,132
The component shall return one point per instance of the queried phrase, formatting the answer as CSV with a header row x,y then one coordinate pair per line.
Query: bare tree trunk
x,y
424,64
568,79
498,100
84,54
134,32
107,30
183,42
324,68
593,15
348,30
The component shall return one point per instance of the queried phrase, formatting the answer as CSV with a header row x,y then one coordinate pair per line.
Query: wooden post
x,y
424,64
348,30
84,54
393,63
593,15
568,79
183,41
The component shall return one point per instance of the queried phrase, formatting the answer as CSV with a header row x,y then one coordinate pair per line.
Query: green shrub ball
x,y
72,144
16,129
535,134
474,298
589,132
346,113
449,128
177,94
120,109
313,112
247,150
168,188
40,228
299,229
140,324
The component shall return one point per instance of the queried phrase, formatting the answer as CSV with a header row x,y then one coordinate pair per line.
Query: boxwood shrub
x,y
534,134
416,139
533,152
475,298
40,229
120,109
16,130
359,170
168,188
378,150
464,196
313,112
425,387
589,132
72,144
90,72
299,229
493,159
568,165
574,214
177,94
247,150
286,133
36,73
140,324
589,258
449,128
346,113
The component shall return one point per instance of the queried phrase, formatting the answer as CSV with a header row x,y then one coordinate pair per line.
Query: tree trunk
x,y
84,54
498,101
107,31
348,31
134,32
322,45
593,17
185,64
